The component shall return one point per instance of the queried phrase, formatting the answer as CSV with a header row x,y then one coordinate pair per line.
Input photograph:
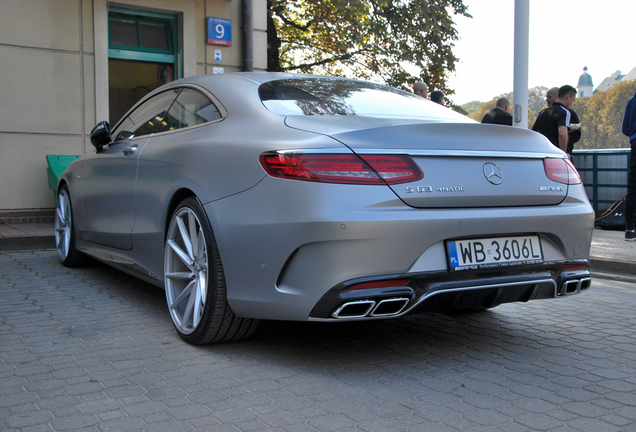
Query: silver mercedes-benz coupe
x,y
254,196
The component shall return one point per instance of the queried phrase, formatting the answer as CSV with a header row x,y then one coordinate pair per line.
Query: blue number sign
x,y
219,31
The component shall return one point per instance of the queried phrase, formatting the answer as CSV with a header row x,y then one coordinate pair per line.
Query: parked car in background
x,y
272,196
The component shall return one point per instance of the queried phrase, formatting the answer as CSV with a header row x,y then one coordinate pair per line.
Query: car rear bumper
x,y
289,260
438,292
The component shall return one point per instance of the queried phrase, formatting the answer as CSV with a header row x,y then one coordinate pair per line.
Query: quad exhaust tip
x,y
574,286
371,308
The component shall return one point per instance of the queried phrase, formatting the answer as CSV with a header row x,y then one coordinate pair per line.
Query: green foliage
x,y
471,107
536,99
382,40
480,112
601,117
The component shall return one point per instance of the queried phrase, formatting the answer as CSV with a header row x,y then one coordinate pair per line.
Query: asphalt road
x,y
93,349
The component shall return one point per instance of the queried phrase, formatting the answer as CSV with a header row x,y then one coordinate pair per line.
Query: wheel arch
x,y
178,196
61,183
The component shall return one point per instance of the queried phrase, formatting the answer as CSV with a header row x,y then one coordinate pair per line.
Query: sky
x,y
565,36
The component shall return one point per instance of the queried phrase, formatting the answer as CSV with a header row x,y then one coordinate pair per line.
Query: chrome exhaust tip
x,y
586,283
371,308
574,286
354,309
387,307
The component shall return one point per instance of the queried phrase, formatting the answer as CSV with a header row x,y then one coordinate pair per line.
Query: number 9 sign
x,y
219,31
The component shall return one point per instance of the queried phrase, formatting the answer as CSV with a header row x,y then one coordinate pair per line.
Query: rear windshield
x,y
331,96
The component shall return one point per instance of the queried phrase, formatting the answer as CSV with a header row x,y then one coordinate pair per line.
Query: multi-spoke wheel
x,y
195,283
64,234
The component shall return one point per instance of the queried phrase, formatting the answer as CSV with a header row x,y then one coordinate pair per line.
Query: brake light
x,y
380,284
561,171
342,168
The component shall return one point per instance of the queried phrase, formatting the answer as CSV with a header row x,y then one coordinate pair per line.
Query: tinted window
x,y
123,32
146,118
154,36
191,108
328,96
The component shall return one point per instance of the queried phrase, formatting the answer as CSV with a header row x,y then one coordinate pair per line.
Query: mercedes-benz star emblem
x,y
493,173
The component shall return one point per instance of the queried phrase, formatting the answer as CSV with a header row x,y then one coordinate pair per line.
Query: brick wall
x,y
9,217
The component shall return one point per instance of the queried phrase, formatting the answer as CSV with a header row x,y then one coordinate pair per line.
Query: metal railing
x,y
605,173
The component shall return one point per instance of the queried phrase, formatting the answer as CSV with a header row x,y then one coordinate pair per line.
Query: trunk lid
x,y
464,164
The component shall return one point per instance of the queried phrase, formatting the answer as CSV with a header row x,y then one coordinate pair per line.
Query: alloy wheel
x,y
63,225
186,270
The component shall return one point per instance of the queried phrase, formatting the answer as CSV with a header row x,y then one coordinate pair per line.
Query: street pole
x,y
522,31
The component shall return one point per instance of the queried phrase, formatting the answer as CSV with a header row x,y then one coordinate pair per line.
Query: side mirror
x,y
100,135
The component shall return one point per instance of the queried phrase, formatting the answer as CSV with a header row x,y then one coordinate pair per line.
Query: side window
x,y
191,108
146,118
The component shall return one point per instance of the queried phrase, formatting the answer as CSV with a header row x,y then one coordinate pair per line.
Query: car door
x,y
171,156
108,179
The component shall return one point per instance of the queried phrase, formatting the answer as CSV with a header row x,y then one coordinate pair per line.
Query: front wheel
x,y
195,283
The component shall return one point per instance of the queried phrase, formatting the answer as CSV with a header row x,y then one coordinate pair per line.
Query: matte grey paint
x,y
285,243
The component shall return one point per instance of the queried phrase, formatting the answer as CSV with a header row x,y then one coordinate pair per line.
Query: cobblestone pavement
x,y
93,349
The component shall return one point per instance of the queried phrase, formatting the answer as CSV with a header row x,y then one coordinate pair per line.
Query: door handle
x,y
129,150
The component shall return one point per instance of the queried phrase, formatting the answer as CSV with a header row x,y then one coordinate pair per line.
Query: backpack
x,y
613,218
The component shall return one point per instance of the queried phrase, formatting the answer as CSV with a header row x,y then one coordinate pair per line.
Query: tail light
x,y
561,171
342,168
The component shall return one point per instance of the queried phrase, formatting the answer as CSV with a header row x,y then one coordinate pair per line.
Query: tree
x,y
480,112
536,101
398,42
471,107
601,117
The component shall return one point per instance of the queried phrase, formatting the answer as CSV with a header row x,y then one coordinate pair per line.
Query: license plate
x,y
474,254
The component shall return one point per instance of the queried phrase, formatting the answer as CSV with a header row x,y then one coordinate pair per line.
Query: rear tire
x,y
65,231
195,283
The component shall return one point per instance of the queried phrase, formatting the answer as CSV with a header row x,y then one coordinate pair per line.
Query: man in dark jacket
x,y
574,133
554,121
499,114
629,129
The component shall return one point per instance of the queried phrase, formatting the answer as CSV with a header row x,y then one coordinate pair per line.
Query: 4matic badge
x,y
422,189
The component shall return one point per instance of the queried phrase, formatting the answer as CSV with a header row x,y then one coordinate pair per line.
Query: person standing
x,y
499,114
554,121
421,89
574,131
551,96
438,97
629,129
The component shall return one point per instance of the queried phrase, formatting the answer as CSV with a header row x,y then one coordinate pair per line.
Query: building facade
x,y
614,79
67,64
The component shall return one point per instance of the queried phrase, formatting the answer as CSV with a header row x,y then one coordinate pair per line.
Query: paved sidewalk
x,y
27,236
611,254
91,349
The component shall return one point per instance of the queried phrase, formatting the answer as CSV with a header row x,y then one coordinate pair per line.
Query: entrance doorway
x,y
143,55
130,80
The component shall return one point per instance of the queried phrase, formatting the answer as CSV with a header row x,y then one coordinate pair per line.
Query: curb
x,y
27,243
612,266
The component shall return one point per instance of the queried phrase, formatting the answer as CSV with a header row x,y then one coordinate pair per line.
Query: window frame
x,y
139,53
177,89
